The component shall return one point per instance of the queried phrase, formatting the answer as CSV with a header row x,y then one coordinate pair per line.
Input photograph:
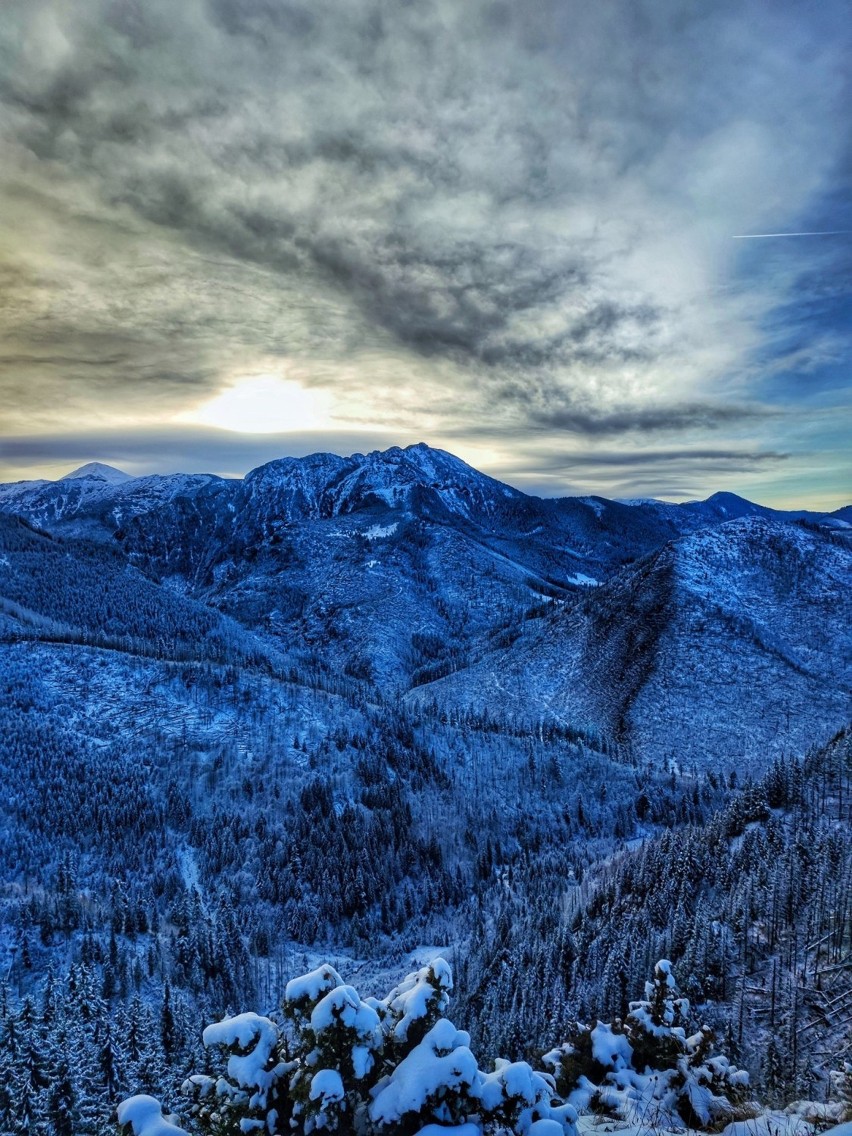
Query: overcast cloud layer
x,y
504,228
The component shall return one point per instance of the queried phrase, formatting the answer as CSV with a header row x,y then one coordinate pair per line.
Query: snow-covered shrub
x,y
655,1026
254,1088
395,1067
437,1081
710,1090
338,1039
649,1072
515,1098
587,1055
413,1007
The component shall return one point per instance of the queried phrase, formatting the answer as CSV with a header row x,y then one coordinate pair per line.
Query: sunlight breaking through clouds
x,y
447,218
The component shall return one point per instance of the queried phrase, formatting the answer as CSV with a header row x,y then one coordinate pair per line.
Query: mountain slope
x,y
706,631
382,706
730,644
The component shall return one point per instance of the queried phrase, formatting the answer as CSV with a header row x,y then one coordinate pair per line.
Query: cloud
x,y
740,459
458,217
153,450
647,419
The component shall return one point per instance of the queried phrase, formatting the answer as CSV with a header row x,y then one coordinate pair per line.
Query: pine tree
x,y
28,1084
61,1105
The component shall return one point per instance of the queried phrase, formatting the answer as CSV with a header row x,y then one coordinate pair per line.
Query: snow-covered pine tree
x,y
336,1062
339,1039
655,1024
650,1071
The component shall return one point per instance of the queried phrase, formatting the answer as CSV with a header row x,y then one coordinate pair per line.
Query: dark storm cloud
x,y
547,415
458,213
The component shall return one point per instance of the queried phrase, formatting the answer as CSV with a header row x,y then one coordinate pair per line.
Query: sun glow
x,y
263,404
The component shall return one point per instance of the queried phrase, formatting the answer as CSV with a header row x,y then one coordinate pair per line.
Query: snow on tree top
x,y
343,1006
665,967
145,1117
249,1070
309,987
610,1049
514,1079
441,1061
421,991
327,1086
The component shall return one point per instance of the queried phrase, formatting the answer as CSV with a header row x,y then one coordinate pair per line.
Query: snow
x,y
779,1124
362,1060
664,967
374,532
545,1127
597,506
582,579
610,1049
516,1083
468,1129
249,1070
145,1117
633,501
411,1000
188,868
818,1114
97,471
310,987
442,1060
327,1086
343,1006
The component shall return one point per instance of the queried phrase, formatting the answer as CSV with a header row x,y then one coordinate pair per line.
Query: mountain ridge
x,y
431,461
413,573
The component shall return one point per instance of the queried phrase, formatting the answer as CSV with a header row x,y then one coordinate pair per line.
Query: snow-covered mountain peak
x,y
98,471
421,464
325,485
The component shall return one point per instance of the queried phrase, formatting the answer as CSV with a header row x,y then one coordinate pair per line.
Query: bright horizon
x,y
59,472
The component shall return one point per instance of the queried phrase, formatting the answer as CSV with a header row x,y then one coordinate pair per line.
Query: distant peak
x,y
723,498
640,501
97,471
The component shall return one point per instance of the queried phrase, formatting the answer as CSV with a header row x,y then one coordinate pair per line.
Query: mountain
x,y
96,500
412,573
382,707
416,479
724,647
97,471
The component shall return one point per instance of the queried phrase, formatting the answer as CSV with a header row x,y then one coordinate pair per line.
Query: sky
x,y
528,233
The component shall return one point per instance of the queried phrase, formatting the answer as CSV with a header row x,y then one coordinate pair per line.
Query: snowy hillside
x,y
407,570
383,708
674,655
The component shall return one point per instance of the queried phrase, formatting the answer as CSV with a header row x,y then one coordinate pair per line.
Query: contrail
x,y
764,236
